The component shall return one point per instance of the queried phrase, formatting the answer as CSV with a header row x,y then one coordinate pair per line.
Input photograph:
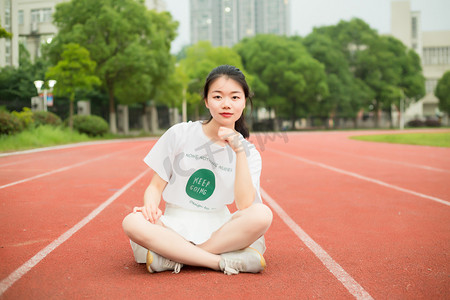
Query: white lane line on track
x,y
27,266
349,283
428,168
356,175
66,168
75,146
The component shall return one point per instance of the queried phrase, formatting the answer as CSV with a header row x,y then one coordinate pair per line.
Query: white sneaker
x,y
247,260
157,263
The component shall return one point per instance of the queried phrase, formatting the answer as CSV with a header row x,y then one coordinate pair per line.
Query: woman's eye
x,y
217,97
235,98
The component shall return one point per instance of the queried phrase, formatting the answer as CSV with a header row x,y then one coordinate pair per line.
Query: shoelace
x,y
173,265
177,268
230,270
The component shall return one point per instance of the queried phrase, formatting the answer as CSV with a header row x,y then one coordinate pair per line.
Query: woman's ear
x,y
206,103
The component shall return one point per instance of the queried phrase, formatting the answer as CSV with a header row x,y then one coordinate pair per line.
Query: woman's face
x,y
225,101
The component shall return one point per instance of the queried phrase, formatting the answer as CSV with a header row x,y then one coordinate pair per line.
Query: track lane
x,y
392,243
37,212
421,180
97,259
13,171
70,269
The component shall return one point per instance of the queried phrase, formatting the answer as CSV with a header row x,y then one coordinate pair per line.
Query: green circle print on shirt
x,y
201,184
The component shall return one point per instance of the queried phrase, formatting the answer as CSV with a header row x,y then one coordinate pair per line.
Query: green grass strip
x,y
436,139
42,136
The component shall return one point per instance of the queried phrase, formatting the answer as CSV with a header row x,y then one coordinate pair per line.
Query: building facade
x,y
9,54
434,50
226,22
31,24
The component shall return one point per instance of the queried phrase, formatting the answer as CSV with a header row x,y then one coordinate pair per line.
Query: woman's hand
x,y
151,214
152,197
231,137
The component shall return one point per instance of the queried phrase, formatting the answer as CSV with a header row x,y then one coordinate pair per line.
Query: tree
x,y
129,43
295,81
75,71
442,92
382,63
4,33
347,94
16,84
392,72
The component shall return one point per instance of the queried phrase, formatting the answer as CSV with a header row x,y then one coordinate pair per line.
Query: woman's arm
x,y
152,198
244,191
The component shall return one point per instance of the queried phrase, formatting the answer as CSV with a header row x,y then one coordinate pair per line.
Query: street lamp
x,y
39,83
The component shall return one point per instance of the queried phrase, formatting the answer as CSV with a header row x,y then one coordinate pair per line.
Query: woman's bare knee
x,y
264,215
132,223
258,216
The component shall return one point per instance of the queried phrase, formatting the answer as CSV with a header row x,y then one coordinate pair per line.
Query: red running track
x,y
351,219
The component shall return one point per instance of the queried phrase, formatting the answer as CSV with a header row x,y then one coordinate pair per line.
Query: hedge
x,y
91,125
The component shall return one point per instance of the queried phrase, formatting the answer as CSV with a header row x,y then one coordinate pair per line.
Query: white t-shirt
x,y
199,172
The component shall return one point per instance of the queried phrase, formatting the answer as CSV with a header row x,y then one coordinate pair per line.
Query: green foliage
x,y
4,33
130,44
90,125
29,119
42,136
391,71
384,69
442,92
289,77
170,92
46,118
347,94
16,84
25,117
73,72
9,124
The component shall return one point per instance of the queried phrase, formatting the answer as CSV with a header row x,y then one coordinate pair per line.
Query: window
x,y
20,17
35,16
47,15
41,15
7,21
436,55
430,85
8,52
414,27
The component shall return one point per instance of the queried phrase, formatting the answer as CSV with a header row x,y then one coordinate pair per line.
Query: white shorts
x,y
195,226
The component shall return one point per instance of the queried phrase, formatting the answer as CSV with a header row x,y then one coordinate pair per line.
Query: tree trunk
x,y
144,118
355,122
376,116
293,116
153,118
275,120
391,123
112,113
72,99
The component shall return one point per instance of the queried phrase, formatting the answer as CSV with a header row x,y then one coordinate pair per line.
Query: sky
x,y
307,14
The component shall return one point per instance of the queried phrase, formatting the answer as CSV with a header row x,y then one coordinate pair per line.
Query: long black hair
x,y
237,75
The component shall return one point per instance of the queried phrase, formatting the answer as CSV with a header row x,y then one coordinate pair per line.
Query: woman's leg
x,y
167,243
245,227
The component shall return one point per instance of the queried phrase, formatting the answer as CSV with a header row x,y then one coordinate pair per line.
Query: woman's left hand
x,y
231,137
